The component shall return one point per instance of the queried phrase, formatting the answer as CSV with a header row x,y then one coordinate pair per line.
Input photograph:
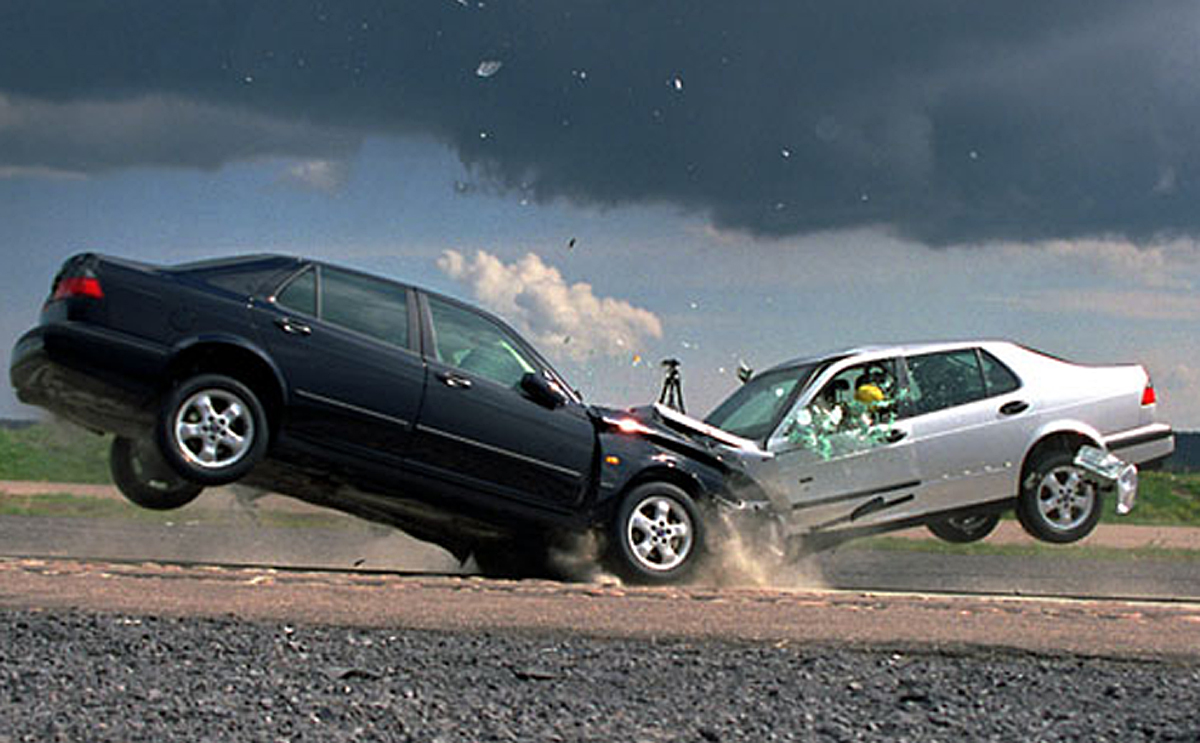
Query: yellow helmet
x,y
869,394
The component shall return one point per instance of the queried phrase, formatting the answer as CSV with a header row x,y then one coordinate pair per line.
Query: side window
x,y
853,411
999,378
370,306
300,294
475,344
942,380
870,386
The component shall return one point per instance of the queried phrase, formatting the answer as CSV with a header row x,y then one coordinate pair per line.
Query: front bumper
x,y
1114,472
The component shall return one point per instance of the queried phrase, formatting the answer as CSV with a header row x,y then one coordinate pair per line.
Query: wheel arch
x,y
234,357
1063,438
682,479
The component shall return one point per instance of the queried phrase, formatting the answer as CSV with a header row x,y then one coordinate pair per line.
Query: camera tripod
x,y
672,389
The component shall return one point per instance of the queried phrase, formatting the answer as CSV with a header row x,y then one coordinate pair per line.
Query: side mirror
x,y
542,391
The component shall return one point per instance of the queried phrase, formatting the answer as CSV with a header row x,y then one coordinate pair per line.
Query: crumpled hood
x,y
672,429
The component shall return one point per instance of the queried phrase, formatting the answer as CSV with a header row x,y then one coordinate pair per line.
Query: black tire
x,y
964,529
140,473
212,429
657,536
1059,502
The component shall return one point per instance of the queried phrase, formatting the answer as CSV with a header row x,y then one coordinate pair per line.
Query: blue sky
x,y
757,202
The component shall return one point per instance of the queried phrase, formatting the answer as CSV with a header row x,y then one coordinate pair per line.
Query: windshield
x,y
755,409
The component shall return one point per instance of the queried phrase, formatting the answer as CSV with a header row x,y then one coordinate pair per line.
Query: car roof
x,y
882,350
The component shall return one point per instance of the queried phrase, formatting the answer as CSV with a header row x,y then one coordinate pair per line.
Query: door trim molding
x,y
498,450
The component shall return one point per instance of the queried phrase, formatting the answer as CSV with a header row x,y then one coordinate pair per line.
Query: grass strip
x,y
66,505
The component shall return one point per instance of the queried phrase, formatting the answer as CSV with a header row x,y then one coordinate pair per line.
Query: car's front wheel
x,y
1059,501
964,529
140,473
212,429
658,534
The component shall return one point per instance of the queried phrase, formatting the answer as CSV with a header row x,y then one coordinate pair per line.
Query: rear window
x,y
937,381
998,377
368,305
300,294
243,276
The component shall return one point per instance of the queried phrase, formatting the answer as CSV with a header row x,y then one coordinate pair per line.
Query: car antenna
x,y
672,389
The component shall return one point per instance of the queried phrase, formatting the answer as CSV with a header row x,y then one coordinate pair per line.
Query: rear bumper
x,y
1144,445
99,379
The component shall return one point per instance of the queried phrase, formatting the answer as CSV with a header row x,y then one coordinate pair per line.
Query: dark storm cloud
x,y
947,121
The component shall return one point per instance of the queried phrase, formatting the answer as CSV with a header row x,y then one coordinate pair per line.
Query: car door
x,y
345,344
842,459
970,420
480,429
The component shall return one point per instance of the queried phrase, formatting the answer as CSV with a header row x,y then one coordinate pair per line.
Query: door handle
x,y
288,325
1014,407
453,380
895,435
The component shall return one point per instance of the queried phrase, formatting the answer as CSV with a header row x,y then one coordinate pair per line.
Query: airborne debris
x,y
744,372
571,243
488,67
864,421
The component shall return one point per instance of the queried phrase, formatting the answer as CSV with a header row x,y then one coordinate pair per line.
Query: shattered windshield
x,y
756,407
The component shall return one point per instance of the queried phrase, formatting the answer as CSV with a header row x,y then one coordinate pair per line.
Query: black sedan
x,y
366,395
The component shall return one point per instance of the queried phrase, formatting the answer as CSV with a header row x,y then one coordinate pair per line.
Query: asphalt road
x,y
353,545
157,643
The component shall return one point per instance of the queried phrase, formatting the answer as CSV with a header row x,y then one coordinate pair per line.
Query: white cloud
x,y
1167,264
327,176
536,298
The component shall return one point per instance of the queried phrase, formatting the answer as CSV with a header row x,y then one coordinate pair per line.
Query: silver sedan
x,y
947,435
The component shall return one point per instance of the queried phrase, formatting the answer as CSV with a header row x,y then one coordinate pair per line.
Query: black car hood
x,y
674,430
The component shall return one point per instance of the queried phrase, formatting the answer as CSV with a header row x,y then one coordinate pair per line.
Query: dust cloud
x,y
736,557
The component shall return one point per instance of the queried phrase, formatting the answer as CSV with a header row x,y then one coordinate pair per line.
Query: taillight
x,y
78,286
1148,396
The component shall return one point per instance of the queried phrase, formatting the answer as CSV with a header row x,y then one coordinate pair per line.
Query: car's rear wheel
x,y
212,429
143,476
658,534
1059,501
964,529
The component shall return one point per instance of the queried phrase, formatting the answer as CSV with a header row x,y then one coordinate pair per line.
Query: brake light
x,y
1148,396
78,286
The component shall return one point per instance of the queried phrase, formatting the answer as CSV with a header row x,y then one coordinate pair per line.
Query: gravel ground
x,y
74,676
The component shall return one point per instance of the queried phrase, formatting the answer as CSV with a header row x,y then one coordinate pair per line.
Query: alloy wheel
x,y
660,533
214,428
